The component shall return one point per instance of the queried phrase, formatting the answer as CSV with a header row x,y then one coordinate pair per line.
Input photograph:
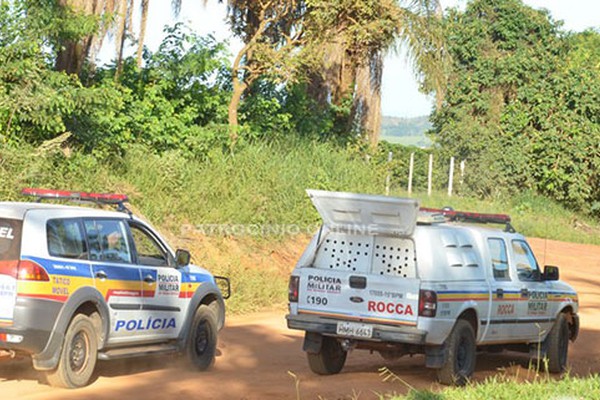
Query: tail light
x,y
30,271
427,303
293,289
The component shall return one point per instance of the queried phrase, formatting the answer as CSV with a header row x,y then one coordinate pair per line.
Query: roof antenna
x,y
545,240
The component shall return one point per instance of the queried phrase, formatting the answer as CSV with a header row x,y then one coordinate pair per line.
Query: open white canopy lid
x,y
366,214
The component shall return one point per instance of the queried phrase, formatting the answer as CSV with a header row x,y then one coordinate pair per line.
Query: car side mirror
x,y
550,273
182,257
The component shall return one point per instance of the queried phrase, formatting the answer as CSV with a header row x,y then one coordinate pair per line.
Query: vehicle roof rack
x,y
114,199
466,216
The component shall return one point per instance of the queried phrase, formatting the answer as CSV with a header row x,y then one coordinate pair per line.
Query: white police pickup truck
x,y
383,275
79,284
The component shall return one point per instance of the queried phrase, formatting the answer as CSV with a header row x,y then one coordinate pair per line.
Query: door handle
x,y
358,282
500,293
149,279
525,293
101,275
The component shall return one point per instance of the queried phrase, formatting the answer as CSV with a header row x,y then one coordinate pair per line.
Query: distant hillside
x,y
406,131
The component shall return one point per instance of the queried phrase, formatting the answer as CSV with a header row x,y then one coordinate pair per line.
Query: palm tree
x,y
418,30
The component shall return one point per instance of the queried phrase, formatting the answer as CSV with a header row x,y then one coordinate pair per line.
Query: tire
x,y
201,347
557,345
460,355
78,355
329,360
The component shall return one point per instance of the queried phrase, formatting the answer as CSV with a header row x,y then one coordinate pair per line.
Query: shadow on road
x,y
254,363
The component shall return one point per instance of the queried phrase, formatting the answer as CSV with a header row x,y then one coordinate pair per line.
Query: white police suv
x,y
79,284
384,276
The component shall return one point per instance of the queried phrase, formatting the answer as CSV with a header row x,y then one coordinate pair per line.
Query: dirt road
x,y
257,351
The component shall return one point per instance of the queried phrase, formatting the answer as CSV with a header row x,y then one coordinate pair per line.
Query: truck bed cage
x,y
474,217
114,199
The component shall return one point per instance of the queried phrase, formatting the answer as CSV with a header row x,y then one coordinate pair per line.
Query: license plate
x,y
354,329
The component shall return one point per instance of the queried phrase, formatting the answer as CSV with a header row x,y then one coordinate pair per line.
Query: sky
x,y
400,94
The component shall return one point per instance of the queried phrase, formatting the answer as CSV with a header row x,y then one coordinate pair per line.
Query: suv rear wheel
x,y
78,356
329,360
460,355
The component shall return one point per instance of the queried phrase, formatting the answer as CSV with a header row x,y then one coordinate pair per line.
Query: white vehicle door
x,y
534,313
506,295
116,276
164,298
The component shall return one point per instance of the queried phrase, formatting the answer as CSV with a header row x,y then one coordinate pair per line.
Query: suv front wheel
x,y
202,341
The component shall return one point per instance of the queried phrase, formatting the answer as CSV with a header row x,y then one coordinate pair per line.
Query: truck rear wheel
x,y
202,341
460,355
557,345
78,355
329,360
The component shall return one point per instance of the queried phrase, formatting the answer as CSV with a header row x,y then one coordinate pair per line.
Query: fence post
x,y
410,172
388,178
451,176
429,174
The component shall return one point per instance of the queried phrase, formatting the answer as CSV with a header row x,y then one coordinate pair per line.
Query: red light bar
x,y
470,216
104,198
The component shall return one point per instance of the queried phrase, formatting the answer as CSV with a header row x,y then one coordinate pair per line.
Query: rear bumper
x,y
34,320
381,333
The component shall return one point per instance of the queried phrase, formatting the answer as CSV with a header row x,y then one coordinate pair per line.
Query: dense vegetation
x,y
522,103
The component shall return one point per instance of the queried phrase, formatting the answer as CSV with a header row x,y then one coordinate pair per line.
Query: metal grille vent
x,y
345,252
367,254
394,256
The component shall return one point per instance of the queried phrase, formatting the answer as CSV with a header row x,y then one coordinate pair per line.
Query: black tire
x,y
78,355
557,345
460,355
201,347
329,360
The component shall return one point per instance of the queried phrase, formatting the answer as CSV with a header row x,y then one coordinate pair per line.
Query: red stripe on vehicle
x,y
123,293
52,297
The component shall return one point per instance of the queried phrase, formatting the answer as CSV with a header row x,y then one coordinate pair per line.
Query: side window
x,y
10,239
149,251
527,267
65,239
499,257
108,240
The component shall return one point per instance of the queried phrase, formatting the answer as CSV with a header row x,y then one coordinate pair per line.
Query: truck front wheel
x,y
460,355
329,360
557,345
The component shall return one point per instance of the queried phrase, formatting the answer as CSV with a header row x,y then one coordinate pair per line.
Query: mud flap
x,y
435,356
312,342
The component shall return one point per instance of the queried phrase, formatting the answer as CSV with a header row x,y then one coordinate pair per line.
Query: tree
x,y
272,33
520,104
360,33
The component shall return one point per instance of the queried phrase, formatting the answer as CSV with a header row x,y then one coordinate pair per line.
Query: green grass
x,y
261,185
500,388
531,214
